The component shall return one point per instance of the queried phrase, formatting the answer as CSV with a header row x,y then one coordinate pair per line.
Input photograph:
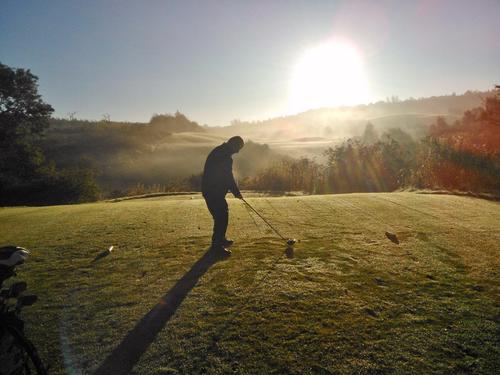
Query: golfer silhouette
x,y
217,180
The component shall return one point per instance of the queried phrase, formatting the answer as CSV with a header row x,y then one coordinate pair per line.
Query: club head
x,y
16,289
26,300
5,273
11,256
291,241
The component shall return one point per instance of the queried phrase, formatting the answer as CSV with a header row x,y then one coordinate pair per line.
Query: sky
x,y
216,61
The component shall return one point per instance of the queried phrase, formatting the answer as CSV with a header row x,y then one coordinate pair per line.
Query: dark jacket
x,y
218,173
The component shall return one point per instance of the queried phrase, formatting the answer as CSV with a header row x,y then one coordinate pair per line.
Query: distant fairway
x,y
347,300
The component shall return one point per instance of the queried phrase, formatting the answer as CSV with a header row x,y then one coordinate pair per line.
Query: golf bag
x,y
17,354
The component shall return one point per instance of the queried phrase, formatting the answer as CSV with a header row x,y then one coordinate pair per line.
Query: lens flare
x,y
328,75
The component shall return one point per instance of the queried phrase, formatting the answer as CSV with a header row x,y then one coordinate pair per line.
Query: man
x,y
217,180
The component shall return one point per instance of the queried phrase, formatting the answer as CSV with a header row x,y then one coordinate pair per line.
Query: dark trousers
x,y
217,206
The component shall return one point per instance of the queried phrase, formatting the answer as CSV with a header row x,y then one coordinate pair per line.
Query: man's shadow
x,y
136,342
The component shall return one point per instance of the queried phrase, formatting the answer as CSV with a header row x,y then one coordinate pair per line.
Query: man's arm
x,y
233,187
235,190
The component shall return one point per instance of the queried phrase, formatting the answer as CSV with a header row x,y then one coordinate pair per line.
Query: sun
x,y
328,75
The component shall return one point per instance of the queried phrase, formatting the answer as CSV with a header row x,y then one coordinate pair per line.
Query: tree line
x,y
61,165
463,156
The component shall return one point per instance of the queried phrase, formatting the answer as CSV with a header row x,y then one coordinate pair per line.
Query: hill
x,y
171,148
346,300
411,115
163,152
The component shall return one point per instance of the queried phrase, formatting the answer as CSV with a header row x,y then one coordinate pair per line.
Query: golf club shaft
x,y
267,222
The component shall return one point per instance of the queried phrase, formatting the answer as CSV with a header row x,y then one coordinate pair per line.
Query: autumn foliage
x,y
466,154
461,156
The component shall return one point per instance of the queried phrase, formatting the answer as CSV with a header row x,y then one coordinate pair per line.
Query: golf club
x,y
289,241
25,301
16,289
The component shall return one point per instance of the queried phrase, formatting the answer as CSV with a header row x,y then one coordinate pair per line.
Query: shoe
x,y
227,243
220,250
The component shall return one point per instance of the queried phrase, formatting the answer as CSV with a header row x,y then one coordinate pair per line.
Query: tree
x,y
23,113
25,176
23,118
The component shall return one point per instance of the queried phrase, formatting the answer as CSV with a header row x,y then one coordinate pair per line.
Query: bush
x,y
52,186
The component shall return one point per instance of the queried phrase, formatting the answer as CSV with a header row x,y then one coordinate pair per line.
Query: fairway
x,y
346,300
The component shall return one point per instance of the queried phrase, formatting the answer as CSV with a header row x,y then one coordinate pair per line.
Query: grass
x,y
346,301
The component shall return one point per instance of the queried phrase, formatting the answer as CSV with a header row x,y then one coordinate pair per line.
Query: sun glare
x,y
328,75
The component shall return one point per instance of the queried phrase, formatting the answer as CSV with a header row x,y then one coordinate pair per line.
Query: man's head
x,y
235,144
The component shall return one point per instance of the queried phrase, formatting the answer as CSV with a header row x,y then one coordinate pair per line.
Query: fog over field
x,y
173,147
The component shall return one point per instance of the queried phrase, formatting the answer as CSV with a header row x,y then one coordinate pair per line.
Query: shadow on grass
x,y
136,342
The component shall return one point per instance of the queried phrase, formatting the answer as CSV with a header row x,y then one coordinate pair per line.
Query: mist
x,y
169,150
